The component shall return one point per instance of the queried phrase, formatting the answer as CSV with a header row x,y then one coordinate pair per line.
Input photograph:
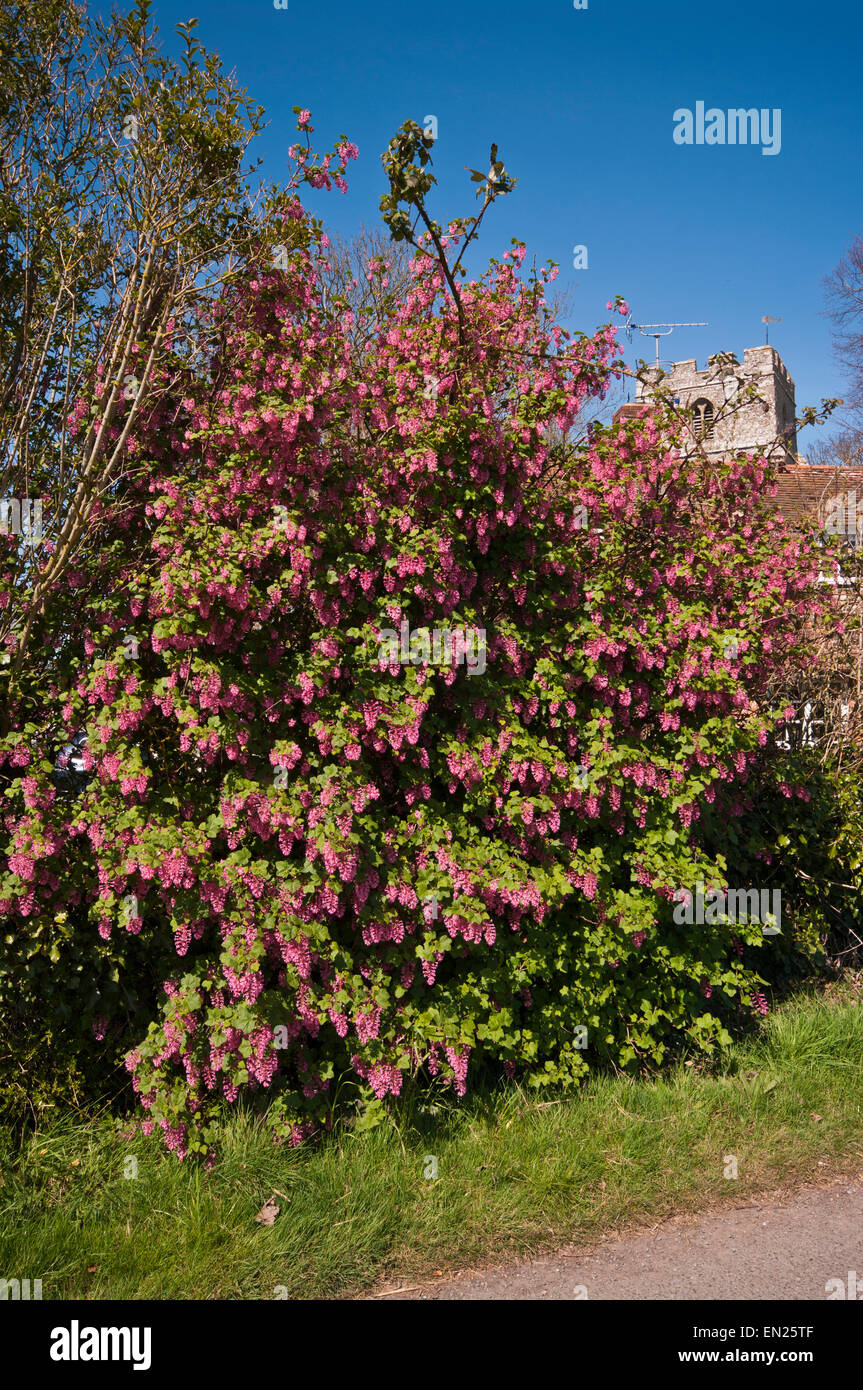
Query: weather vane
x,y
767,319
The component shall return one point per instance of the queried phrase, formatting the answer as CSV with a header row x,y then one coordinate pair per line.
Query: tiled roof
x,y
806,488
631,410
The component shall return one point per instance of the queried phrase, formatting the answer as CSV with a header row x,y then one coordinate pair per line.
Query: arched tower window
x,y
702,419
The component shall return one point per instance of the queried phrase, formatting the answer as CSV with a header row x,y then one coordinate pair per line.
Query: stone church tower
x,y
755,425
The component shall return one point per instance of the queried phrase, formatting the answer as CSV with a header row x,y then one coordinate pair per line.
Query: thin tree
x,y
844,296
124,200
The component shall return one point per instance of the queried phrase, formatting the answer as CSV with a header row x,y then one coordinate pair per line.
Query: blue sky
x,y
581,103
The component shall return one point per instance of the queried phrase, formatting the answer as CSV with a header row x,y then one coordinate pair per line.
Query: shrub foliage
x,y
404,718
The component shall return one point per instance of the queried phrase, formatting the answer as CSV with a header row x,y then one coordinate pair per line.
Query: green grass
x,y
516,1176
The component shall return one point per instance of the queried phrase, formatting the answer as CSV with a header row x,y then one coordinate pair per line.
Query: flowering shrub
x,y
369,865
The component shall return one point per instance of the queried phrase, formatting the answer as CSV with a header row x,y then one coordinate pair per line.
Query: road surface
x,y
775,1246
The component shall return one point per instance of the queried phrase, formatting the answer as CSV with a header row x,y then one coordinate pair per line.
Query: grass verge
x,y
516,1176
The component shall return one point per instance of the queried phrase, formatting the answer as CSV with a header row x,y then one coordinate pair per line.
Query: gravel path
x,y
777,1246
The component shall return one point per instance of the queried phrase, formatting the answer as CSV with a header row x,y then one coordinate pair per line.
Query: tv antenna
x,y
657,330
767,319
